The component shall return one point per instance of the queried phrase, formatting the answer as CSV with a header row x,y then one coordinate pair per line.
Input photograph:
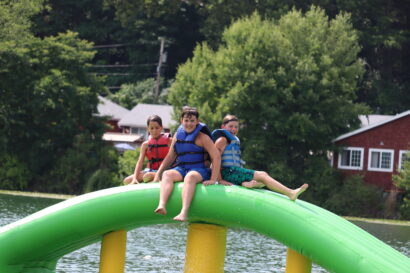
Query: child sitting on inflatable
x,y
228,145
154,149
190,147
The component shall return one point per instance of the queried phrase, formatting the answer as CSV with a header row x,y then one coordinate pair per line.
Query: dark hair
x,y
188,111
229,118
154,118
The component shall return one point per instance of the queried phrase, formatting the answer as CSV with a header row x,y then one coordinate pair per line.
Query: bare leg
x,y
274,185
188,191
166,187
148,177
128,179
253,184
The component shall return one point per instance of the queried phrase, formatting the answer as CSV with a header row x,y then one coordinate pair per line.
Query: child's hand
x,y
209,182
156,178
225,183
134,181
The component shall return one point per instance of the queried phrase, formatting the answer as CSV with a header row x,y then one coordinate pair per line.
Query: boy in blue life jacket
x,y
189,147
232,171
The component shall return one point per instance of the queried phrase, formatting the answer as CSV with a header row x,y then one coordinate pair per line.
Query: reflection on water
x,y
161,248
396,236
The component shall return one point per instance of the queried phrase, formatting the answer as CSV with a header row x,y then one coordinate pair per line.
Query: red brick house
x,y
377,150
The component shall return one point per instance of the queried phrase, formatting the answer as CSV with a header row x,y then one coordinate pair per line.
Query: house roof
x,y
120,137
379,120
137,117
111,109
367,120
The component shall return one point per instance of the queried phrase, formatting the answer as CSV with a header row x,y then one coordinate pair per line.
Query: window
x,y
139,130
381,160
404,156
351,158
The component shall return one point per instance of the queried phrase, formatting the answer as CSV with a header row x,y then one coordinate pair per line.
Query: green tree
x,y
402,180
15,17
48,99
126,34
126,163
141,92
291,81
383,31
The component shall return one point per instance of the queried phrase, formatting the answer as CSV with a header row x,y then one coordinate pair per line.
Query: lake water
x,y
161,248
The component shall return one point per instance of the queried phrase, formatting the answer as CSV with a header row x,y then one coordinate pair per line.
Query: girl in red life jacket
x,y
154,149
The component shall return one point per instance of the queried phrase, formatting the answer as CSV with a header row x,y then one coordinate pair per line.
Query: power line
x,y
139,42
120,65
111,46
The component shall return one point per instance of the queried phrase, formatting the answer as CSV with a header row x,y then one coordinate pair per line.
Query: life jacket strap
x,y
184,153
157,145
190,163
185,141
153,160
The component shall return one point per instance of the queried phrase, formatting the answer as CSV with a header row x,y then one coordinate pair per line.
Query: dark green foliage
x,y
88,165
322,180
126,35
141,92
48,102
402,181
354,198
126,163
14,174
383,30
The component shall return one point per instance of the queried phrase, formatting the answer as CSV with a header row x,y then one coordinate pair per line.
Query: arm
x,y
168,160
140,162
220,144
215,155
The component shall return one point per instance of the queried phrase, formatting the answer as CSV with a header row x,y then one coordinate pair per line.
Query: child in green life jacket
x,y
232,171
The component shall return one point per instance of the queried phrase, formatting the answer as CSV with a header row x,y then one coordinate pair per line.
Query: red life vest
x,y
156,151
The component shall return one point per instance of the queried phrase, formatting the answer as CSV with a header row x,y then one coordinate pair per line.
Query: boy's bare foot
x,y
295,193
161,210
181,217
253,184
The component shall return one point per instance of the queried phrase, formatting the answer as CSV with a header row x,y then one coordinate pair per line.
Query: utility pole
x,y
161,60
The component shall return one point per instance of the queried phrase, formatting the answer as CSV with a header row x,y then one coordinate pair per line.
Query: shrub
x,y
126,163
13,173
354,198
402,180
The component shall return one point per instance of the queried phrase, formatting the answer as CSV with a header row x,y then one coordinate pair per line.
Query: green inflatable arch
x,y
34,244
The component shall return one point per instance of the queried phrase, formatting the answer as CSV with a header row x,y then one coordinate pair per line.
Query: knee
x,y
261,174
192,178
166,176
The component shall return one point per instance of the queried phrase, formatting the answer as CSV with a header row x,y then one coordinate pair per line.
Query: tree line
x,y
297,75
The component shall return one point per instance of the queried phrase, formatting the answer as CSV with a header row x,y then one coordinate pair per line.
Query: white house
x,y
135,122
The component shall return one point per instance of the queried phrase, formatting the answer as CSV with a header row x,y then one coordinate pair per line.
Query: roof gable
x,y
373,125
137,117
110,109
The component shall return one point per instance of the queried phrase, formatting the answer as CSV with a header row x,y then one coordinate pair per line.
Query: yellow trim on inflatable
x,y
297,263
113,249
205,249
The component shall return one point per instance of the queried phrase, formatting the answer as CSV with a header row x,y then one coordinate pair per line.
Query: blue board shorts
x,y
204,172
236,175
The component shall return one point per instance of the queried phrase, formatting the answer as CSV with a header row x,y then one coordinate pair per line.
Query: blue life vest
x,y
187,152
232,153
